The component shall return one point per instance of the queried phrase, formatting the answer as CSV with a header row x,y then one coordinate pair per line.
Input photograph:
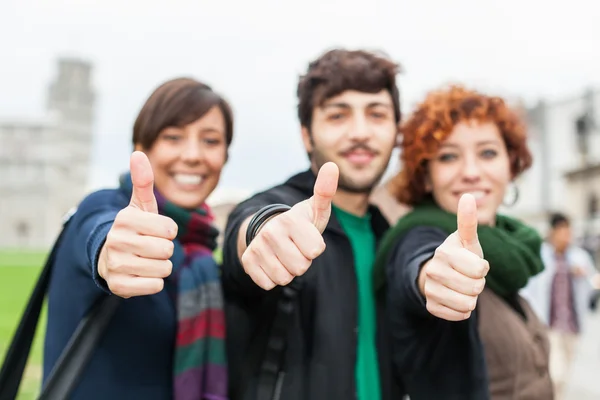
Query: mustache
x,y
360,146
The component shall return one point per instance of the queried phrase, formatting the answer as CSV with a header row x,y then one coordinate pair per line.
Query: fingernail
x,y
467,315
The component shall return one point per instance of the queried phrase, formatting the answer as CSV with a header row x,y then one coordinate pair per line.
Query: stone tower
x,y
70,102
45,162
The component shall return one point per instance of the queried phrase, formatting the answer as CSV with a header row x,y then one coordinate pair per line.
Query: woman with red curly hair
x,y
452,268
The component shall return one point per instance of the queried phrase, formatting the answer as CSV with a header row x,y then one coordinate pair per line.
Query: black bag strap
x,y
76,354
272,368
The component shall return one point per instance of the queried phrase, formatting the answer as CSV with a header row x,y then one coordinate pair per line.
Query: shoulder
x,y
285,193
100,201
108,197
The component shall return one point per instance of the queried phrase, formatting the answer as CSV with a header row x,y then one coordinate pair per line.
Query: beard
x,y
346,182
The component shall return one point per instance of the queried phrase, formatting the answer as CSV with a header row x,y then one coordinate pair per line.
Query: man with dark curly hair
x,y
303,319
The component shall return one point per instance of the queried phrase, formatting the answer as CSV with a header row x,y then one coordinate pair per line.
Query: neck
x,y
354,203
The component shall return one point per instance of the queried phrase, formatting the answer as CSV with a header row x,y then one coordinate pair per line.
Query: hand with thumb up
x,y
136,255
453,279
286,245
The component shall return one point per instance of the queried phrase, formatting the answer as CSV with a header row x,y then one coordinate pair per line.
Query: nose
x,y
471,169
192,151
360,130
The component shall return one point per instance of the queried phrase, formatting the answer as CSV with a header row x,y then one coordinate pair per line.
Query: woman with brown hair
x,y
150,241
453,266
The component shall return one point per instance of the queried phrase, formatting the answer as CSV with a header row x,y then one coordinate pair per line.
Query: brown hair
x,y
433,121
176,103
339,70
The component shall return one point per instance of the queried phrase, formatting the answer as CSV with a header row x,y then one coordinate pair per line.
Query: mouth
x,y
188,180
359,157
478,194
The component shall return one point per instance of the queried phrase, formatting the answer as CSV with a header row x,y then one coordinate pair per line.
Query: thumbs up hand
x,y
453,279
136,255
287,244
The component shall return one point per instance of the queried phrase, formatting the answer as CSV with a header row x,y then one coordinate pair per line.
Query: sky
x,y
253,52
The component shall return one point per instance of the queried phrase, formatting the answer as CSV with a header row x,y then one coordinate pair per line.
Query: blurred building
x,y
45,161
565,177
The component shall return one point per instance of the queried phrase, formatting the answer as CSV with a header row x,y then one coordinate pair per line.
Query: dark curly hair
x,y
339,70
433,121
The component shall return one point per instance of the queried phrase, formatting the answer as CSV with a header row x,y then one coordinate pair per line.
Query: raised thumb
x,y
323,192
466,219
142,177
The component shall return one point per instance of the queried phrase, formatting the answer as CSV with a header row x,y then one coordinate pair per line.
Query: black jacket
x,y
322,341
432,357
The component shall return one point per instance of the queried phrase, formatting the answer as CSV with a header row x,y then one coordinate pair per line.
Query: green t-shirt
x,y
361,236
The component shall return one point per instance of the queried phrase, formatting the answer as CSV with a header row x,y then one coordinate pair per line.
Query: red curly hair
x,y
433,121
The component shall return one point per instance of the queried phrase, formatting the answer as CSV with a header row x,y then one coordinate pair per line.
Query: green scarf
x,y
511,247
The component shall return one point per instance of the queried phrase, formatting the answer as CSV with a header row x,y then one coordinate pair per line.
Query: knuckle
x,y
168,268
303,266
442,252
169,248
117,287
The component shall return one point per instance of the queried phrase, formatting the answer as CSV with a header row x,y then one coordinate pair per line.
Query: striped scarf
x,y
199,365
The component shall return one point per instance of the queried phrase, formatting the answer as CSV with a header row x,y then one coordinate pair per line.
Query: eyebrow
x,y
481,143
347,106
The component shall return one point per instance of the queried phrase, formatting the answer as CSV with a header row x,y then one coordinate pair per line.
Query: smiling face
x,y
187,161
473,159
357,131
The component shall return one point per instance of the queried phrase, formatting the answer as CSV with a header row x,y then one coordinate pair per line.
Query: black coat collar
x,y
304,182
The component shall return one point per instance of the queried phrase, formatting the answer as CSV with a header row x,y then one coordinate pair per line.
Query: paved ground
x,y
585,376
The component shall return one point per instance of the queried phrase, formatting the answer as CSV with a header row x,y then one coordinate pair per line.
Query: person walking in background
x,y
453,266
150,241
303,250
561,295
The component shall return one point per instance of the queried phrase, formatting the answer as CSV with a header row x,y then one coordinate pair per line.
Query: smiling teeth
x,y
478,194
186,179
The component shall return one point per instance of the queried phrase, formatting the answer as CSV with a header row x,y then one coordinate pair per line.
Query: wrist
x,y
261,217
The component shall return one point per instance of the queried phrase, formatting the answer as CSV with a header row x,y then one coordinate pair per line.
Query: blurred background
x,y
74,74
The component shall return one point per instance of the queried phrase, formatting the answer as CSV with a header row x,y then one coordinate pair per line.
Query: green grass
x,y
19,271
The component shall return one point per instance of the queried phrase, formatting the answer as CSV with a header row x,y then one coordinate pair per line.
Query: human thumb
x,y
466,218
142,177
323,192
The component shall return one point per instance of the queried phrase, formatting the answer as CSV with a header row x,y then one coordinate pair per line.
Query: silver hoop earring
x,y
513,198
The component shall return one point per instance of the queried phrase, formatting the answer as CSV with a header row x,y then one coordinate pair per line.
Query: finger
x,y
307,239
288,253
324,190
270,264
454,280
468,263
130,286
146,223
256,273
466,218
142,179
141,246
444,312
438,293
143,267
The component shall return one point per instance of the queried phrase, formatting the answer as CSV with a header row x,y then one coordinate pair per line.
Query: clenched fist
x,y
135,257
453,279
287,244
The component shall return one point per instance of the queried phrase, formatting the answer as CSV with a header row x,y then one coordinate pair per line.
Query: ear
x,y
307,139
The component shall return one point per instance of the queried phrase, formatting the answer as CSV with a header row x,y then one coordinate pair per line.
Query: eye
x,y
335,117
172,137
489,153
212,141
447,157
379,115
